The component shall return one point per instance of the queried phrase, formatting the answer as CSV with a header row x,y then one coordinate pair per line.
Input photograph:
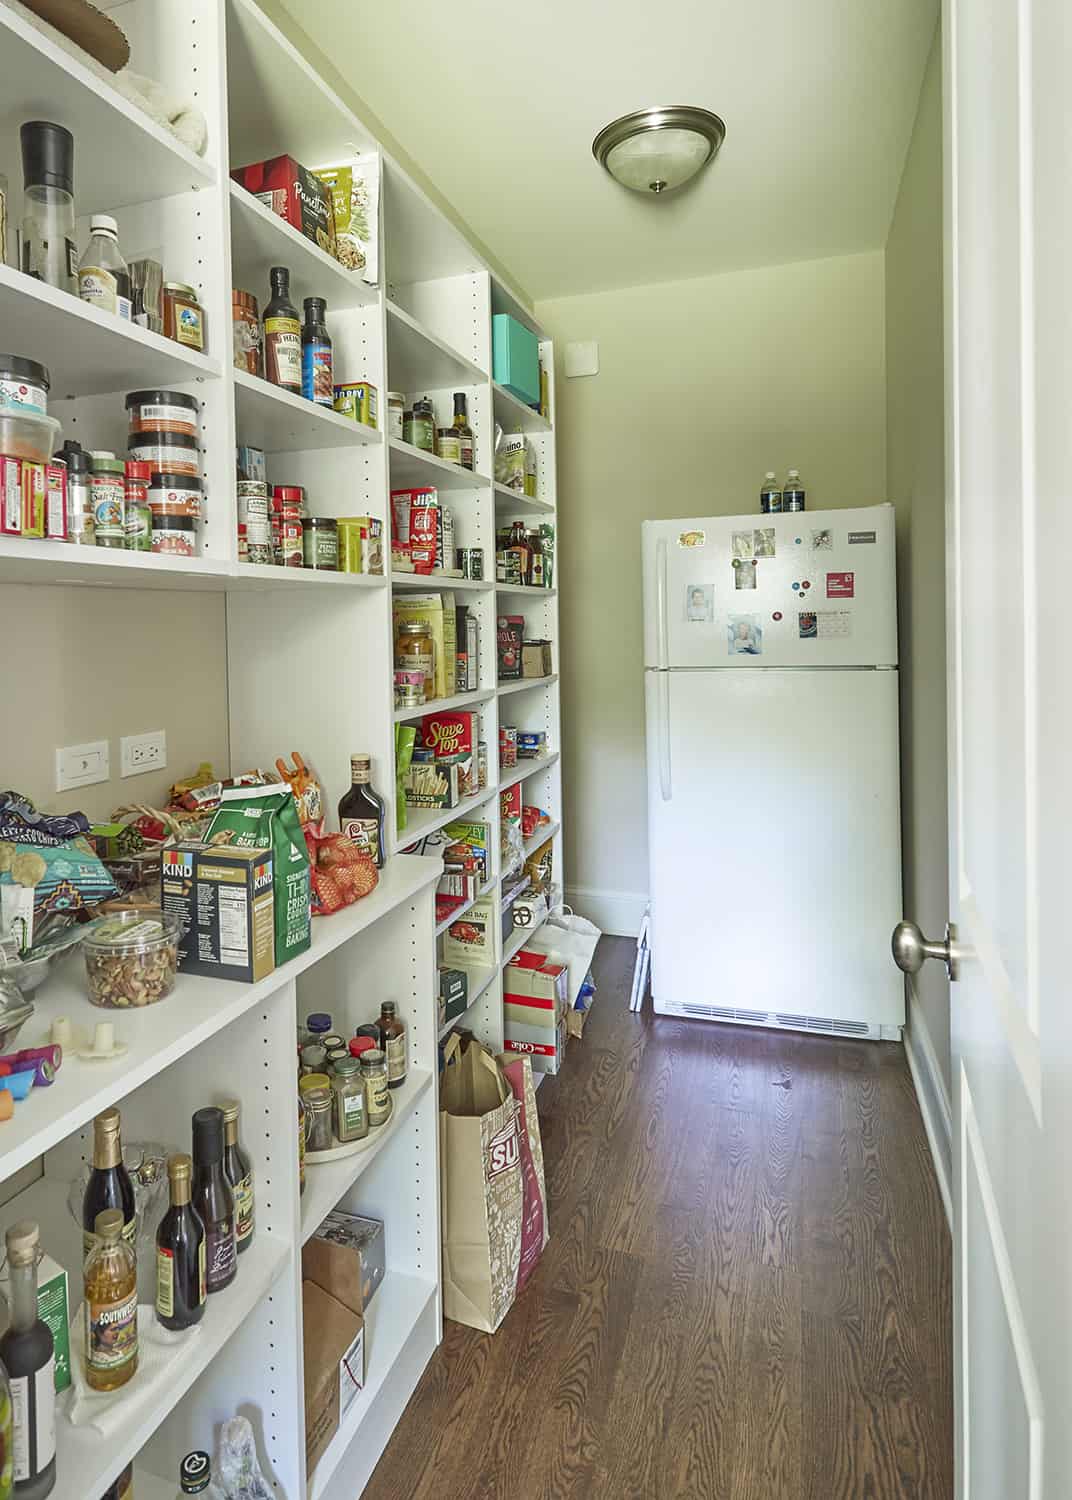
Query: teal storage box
x,y
515,358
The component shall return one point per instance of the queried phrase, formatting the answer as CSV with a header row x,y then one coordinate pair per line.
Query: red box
x,y
510,804
11,496
448,734
56,502
295,194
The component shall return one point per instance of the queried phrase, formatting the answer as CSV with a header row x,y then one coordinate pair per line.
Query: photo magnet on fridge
x,y
763,541
744,636
700,604
822,541
692,538
807,626
744,576
834,622
742,544
841,585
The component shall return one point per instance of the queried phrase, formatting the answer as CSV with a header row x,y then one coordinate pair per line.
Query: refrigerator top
x,y
801,589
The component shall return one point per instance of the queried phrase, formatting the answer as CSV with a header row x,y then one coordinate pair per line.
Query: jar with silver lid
x,y
317,1104
313,1057
350,1102
374,1075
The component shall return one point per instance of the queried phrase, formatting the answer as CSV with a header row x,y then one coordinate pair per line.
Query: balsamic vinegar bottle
x,y
213,1200
238,1169
109,1184
29,1357
180,1253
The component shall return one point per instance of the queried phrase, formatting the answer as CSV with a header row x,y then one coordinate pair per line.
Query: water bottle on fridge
x,y
770,495
793,497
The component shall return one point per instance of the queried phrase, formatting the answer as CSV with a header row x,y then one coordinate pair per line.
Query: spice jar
x,y
336,1055
374,1074
317,1102
80,529
184,318
23,386
396,406
331,1041
360,1045
162,411
415,652
320,543
175,536
246,328
137,516
106,480
422,426
167,452
313,1058
288,501
350,1103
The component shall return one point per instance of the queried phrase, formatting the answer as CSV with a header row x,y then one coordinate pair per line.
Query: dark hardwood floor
x,y
746,1294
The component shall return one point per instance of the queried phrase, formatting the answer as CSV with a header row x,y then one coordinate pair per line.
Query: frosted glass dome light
x,y
657,150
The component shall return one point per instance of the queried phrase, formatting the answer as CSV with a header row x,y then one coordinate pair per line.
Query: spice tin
x,y
175,535
167,452
471,562
291,550
252,500
56,500
23,386
320,543
177,495
106,481
291,498
162,411
396,405
356,399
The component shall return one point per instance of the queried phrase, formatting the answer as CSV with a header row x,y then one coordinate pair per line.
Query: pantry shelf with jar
x,y
264,375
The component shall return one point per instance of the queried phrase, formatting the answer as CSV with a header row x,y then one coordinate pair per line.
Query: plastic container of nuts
x,y
131,958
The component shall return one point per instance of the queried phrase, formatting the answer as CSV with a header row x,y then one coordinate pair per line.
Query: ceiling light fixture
x,y
656,150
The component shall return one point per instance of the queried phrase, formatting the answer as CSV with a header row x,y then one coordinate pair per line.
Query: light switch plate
x,y
139,753
81,765
582,359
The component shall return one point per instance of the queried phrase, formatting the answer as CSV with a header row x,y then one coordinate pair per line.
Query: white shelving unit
x,y
311,666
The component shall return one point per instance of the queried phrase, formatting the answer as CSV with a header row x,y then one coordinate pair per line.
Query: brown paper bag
x,y
482,1192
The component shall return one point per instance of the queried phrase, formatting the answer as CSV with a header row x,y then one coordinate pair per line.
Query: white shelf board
x,y
280,422
483,979
514,414
87,351
524,769
160,1034
459,913
122,156
260,239
86,1462
431,581
530,591
444,705
540,837
390,1319
508,501
327,1180
516,941
523,683
421,242
419,360
503,300
269,576
426,820
413,468
148,1486
28,560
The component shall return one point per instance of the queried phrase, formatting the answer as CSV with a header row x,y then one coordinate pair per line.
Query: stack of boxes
x,y
535,1000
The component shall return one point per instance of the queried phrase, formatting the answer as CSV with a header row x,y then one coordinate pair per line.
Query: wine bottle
x,y
463,431
238,1169
213,1199
109,1184
361,810
180,1253
111,1302
29,1357
393,1042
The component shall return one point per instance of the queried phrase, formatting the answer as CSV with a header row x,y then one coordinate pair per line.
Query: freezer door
x,y
818,589
774,832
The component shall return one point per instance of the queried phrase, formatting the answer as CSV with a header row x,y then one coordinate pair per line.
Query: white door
x,y
1008,181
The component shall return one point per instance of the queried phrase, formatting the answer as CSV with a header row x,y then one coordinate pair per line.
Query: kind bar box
x,y
223,901
333,1349
347,1258
52,1310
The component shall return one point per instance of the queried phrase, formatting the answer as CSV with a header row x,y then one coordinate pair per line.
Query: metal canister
x,y
471,562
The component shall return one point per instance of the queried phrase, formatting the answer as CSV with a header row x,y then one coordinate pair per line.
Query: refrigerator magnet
x,y
841,585
763,541
834,623
745,576
822,541
692,538
700,604
744,636
807,626
742,544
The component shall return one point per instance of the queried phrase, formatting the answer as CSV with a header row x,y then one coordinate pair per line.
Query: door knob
x,y
911,948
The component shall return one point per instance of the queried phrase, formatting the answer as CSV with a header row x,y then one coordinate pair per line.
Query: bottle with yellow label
x,y
111,1302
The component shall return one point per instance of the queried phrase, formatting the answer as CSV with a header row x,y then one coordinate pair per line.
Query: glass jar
x,y
415,652
335,1056
246,325
331,1041
301,1147
184,317
320,543
422,427
350,1107
374,1075
313,1058
396,406
317,1102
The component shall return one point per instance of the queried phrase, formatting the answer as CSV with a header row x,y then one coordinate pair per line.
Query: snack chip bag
x,y
46,865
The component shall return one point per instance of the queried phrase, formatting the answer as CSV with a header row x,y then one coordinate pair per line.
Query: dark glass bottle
x,y
213,1200
464,431
282,335
180,1253
361,810
393,1041
318,377
238,1169
109,1184
29,1357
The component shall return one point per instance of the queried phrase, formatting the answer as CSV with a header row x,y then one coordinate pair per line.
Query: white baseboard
x,y
933,1096
619,913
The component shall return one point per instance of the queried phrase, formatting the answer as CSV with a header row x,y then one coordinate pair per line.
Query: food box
x,y
510,631
536,659
293,193
52,1308
34,493
535,997
531,744
510,804
438,612
346,1258
471,940
448,734
355,194
467,678
357,400
10,496
474,840
423,528
453,995
515,354
510,464
333,1350
530,910
251,464
223,900
437,783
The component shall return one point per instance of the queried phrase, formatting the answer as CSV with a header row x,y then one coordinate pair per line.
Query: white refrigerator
x,y
770,655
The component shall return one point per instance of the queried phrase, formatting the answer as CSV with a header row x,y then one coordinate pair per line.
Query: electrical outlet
x,y
139,753
81,765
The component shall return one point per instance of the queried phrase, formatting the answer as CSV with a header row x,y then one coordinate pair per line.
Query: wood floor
x,y
746,1295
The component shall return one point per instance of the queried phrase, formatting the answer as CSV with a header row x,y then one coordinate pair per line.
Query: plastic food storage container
x,y
30,437
131,958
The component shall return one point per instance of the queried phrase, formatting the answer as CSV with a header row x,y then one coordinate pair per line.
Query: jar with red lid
x,y
246,324
288,501
137,517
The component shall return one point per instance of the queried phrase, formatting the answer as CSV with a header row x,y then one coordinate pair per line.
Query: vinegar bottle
x,y
180,1253
29,1357
238,1170
213,1200
109,1184
111,1301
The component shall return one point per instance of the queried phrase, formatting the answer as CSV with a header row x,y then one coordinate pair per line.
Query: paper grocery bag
x,y
534,1232
482,1190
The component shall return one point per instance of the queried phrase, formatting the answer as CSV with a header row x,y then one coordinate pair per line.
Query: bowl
x,y
12,1019
30,437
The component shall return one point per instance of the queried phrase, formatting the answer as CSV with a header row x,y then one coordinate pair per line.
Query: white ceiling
x,y
499,104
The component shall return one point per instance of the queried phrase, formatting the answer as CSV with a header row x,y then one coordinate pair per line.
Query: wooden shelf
x,y
260,239
276,420
413,468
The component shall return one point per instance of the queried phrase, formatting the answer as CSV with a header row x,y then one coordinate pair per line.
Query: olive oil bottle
x,y
111,1302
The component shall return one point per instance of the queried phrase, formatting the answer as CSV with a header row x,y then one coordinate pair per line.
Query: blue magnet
x,y
796,585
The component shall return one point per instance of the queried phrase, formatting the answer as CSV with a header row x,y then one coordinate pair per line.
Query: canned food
x,y
175,535
167,452
471,562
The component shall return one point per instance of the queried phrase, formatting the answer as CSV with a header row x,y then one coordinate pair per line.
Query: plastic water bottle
x,y
770,496
793,496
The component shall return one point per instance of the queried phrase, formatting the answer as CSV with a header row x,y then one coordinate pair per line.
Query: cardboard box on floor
x,y
333,1347
535,997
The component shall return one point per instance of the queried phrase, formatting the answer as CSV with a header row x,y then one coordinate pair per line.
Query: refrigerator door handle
x,y
662,653
666,786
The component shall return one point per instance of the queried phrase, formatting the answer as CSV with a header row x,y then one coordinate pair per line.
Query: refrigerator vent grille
x,y
786,1022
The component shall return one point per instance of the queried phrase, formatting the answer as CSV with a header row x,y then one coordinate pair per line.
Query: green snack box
x,y
266,817
52,1310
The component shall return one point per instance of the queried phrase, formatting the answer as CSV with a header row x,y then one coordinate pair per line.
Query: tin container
x,y
356,399
471,562
320,543
23,386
